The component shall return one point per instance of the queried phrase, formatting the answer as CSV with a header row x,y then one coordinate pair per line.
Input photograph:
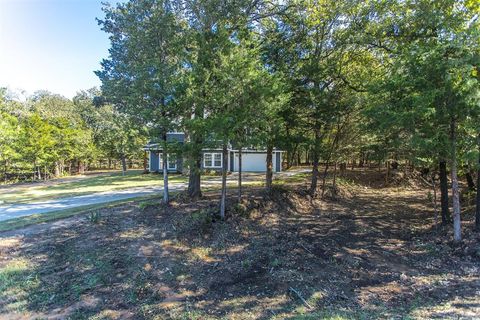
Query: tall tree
x,y
141,75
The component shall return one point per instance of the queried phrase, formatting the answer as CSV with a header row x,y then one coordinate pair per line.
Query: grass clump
x,y
94,217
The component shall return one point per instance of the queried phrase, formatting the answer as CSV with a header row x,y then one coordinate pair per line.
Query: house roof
x,y
180,138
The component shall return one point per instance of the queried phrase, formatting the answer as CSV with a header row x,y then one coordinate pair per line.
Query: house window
x,y
212,160
172,162
217,159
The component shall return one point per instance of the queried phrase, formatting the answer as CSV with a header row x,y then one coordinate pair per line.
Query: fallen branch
x,y
306,249
301,298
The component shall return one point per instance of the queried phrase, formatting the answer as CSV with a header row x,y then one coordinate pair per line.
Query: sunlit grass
x,y
97,183
16,280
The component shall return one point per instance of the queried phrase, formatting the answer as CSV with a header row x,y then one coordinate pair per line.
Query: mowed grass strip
x,y
21,222
84,185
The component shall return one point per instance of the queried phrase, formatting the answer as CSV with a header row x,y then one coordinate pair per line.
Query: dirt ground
x,y
371,253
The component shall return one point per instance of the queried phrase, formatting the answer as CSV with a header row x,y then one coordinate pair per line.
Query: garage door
x,y
253,162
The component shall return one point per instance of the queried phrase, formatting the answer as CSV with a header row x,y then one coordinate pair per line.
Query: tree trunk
x,y
224,181
387,172
62,167
269,173
315,160
470,183
194,178
291,156
444,192
457,232
434,200
5,172
343,169
313,185
477,208
166,199
109,163
335,176
81,168
124,164
145,162
57,169
324,178
240,174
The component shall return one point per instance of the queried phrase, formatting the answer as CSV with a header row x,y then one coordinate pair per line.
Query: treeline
x,y
342,81
47,135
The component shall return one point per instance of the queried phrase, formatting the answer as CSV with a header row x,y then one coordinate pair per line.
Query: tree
x,y
8,137
430,79
141,75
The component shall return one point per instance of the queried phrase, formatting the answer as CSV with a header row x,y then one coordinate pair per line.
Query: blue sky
x,y
51,44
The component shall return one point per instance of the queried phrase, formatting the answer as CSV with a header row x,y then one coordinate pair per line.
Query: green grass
x,y
97,183
83,185
21,222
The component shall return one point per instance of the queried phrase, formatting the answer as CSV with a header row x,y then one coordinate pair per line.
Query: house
x,y
253,160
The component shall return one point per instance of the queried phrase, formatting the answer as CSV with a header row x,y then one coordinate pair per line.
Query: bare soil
x,y
367,253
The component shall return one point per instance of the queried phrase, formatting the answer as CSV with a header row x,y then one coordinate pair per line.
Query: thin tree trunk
x,y
315,156
224,181
444,192
477,208
57,169
335,176
81,168
291,156
269,173
145,162
470,183
435,207
324,178
457,232
387,172
240,174
166,199
5,172
124,164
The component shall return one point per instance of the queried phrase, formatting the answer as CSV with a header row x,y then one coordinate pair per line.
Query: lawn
x,y
82,185
372,253
105,182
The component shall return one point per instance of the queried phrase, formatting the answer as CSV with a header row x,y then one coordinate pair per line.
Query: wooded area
x,y
337,84
394,83
47,135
